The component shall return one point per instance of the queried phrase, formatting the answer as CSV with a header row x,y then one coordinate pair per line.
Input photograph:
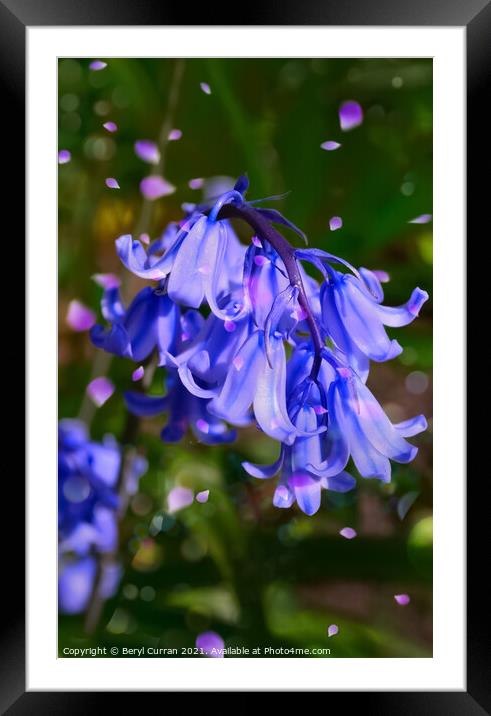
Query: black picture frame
x,y
15,17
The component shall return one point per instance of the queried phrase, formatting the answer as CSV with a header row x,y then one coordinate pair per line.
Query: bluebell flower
x,y
372,440
151,322
353,316
339,418
76,581
88,474
184,411
242,364
203,262
276,348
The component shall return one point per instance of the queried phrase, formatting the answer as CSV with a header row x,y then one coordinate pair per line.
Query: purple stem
x,y
287,254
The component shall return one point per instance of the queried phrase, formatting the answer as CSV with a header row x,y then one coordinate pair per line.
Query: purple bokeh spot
x,y
332,629
147,151
154,187
196,183
107,280
79,317
421,219
100,390
211,643
402,599
178,498
138,374
348,533
330,145
350,115
64,156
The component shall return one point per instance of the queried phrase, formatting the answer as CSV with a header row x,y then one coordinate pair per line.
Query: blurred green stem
x,y
101,365
102,360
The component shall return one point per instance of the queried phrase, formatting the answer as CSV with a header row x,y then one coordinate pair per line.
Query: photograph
x,y
245,351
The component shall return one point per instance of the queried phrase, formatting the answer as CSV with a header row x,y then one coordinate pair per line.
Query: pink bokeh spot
x,y
211,644
147,151
332,630
79,317
179,498
350,115
64,156
421,219
330,145
155,187
100,390
402,599
348,533
138,373
382,276
106,280
196,183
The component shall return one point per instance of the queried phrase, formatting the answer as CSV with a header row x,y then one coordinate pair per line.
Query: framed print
x,y
245,302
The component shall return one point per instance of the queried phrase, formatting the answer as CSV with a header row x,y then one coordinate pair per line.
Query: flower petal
x,y
264,472
106,280
335,223
100,390
421,219
402,315
270,396
348,533
64,156
330,146
154,187
75,585
211,644
344,482
147,151
145,405
307,492
241,383
178,498
186,281
332,630
174,135
376,425
350,115
79,317
413,426
402,599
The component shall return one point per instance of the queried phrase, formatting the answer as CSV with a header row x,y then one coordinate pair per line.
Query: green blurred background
x,y
257,575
